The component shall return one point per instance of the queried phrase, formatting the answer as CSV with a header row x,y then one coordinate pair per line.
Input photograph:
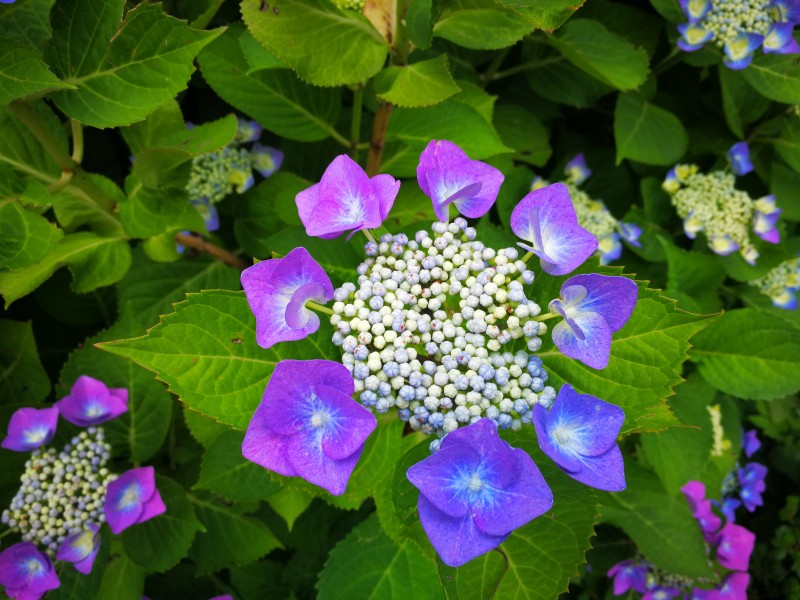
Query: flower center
x,y
130,496
319,419
475,483
33,566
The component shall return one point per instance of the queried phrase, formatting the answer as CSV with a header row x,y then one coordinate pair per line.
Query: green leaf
x,y
522,131
207,354
480,24
636,24
25,237
776,77
204,429
166,120
22,73
602,54
290,504
693,278
661,524
23,152
420,84
785,184
258,58
160,543
123,579
229,539
750,353
419,23
670,10
276,98
22,377
94,261
122,72
75,207
150,212
544,14
788,144
477,579
385,570
27,21
740,102
646,133
345,48
646,356
141,431
228,474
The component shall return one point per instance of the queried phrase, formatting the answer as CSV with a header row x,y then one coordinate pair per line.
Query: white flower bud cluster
x,y
441,329
712,204
781,283
214,175
728,18
61,492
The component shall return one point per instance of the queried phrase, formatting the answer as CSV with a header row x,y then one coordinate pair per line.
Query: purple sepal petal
x,y
629,576
308,425
448,176
734,586
90,402
739,50
30,428
695,494
26,573
765,219
576,170
247,131
750,443
631,232
132,498
735,545
81,548
585,429
272,285
434,477
722,244
779,39
585,337
739,157
386,188
266,159
694,37
545,219
695,9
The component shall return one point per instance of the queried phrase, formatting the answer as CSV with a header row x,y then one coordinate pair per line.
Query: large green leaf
x,y
423,83
477,579
740,102
480,24
122,72
152,211
275,98
602,54
385,570
785,184
776,77
22,73
165,121
788,144
523,132
22,377
22,152
544,14
324,44
660,523
207,354
94,261
750,353
123,580
27,21
75,207
693,278
25,237
160,543
647,133
228,474
230,538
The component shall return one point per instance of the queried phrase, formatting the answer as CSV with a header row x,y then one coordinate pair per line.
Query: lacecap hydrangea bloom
x,y
593,215
441,328
65,496
740,27
781,284
217,174
710,203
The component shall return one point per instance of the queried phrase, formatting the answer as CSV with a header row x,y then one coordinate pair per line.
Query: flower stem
x,y
318,307
5,533
198,243
527,257
546,317
368,235
77,141
355,126
377,139
497,61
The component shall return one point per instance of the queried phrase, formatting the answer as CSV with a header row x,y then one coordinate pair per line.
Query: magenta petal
x,y
306,201
527,498
434,477
266,449
88,387
456,540
612,296
349,424
735,547
90,402
305,454
26,573
153,507
385,188
126,497
695,493
81,549
297,315
438,154
30,428
589,341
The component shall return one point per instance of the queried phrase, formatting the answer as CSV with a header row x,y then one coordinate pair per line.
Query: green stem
x,y
533,64
318,307
488,75
26,114
546,317
77,141
527,257
5,533
355,126
368,234
670,60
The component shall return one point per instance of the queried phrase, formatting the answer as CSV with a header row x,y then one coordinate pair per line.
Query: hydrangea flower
x,y
91,402
781,284
266,159
695,494
661,592
751,478
133,498
593,307
30,428
277,291
26,573
346,199
711,203
593,215
734,547
307,425
739,28
475,491
750,442
739,157
81,548
734,587
546,220
629,575
448,176
579,433
208,211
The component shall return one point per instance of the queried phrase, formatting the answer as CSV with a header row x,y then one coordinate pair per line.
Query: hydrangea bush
x,y
344,299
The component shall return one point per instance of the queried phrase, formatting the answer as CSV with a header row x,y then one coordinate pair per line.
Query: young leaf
x,y
385,569
344,49
750,353
160,543
420,84
22,376
275,98
122,73
646,133
25,237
